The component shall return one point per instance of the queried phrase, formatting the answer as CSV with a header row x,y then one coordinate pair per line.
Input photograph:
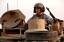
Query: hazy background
x,y
26,6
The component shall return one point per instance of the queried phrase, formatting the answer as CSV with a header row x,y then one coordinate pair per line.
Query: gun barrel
x,y
50,13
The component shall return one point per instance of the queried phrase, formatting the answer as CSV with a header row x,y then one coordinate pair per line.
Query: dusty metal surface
x,y
41,36
12,18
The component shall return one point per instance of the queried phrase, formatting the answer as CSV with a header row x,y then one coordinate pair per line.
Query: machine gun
x,y
57,23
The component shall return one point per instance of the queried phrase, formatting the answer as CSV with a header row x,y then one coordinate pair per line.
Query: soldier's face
x,y
38,11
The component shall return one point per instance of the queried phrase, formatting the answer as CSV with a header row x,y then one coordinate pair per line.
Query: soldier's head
x,y
38,8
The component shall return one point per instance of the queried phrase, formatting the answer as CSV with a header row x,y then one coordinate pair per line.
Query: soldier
x,y
39,10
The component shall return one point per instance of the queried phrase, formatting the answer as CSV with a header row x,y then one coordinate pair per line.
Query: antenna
x,y
7,7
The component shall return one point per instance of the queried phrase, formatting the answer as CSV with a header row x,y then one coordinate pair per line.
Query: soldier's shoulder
x,y
46,16
31,18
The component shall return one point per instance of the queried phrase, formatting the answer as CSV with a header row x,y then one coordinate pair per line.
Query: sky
x,y
26,7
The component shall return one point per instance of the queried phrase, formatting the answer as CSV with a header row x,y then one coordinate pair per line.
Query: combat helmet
x,y
39,5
